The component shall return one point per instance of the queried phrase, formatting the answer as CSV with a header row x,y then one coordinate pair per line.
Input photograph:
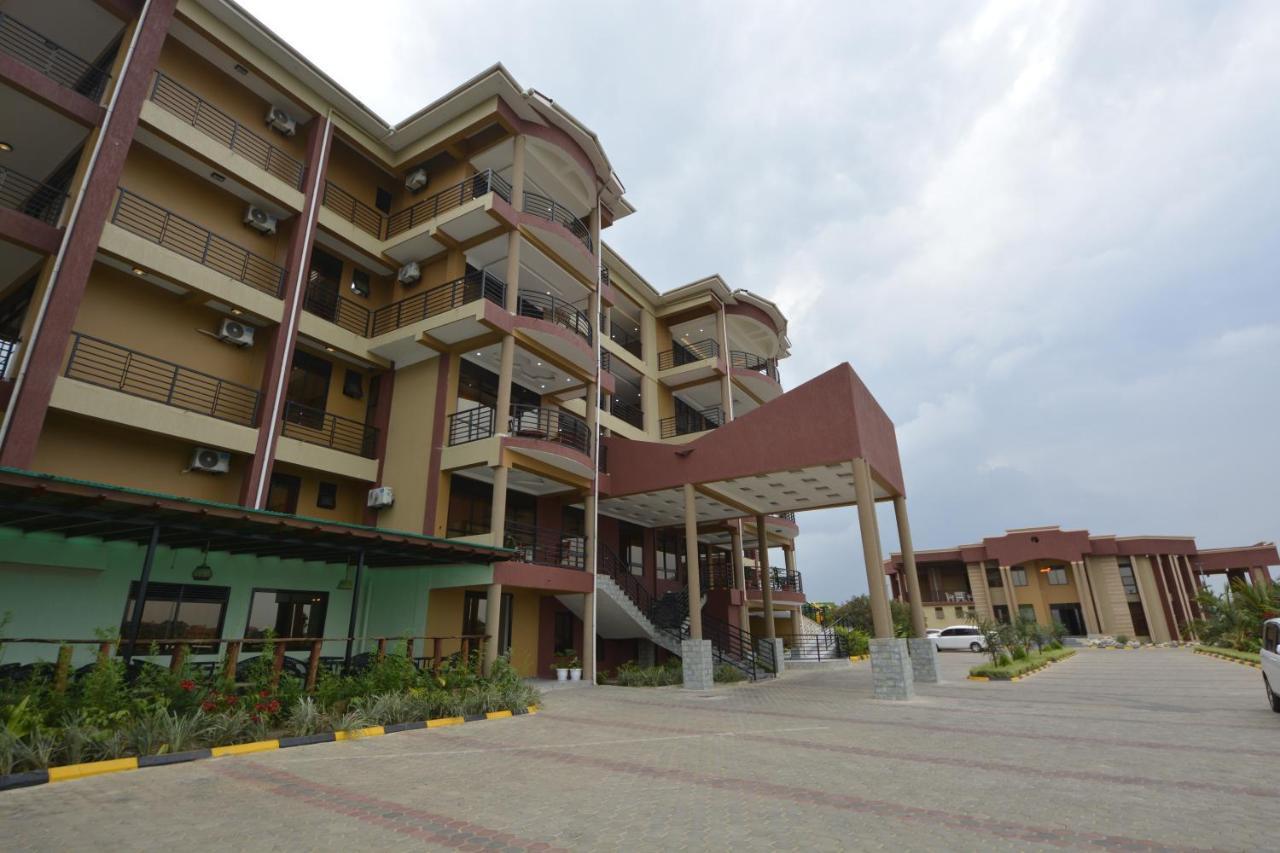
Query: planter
x,y
562,673
575,674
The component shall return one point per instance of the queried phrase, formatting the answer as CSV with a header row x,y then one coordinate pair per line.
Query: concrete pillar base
x,y
764,644
645,650
698,663
924,661
891,675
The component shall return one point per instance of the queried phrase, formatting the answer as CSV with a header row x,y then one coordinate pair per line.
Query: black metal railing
x,y
690,421
681,354
316,426
739,360
34,198
628,340
367,219
471,425
7,348
100,362
729,643
152,222
608,562
552,211
554,425
780,581
628,412
554,309
216,124
825,645
437,300
336,308
545,547
54,61
457,195
786,516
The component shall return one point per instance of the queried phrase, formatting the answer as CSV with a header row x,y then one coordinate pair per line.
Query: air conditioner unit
x,y
210,461
259,220
417,180
235,332
282,121
380,497
409,273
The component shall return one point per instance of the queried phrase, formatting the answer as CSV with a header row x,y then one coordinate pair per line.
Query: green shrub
x,y
1122,639
1006,668
1020,653
728,674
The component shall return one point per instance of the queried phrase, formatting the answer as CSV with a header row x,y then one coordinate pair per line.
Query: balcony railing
x,y
359,214
55,62
152,222
336,308
471,425
953,597
554,425
628,340
34,198
681,354
750,361
628,412
691,421
786,516
457,195
545,547
437,300
7,349
553,309
552,211
780,581
214,123
316,426
110,365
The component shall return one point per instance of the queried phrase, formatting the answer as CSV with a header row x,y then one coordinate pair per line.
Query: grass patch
x,y
1235,654
1034,660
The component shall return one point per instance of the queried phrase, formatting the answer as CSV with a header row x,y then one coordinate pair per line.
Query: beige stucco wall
x,y
1113,607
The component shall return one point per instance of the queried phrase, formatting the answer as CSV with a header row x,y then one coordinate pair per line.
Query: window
x,y
287,613
631,547
938,614
1018,576
959,612
668,557
352,384
1001,612
563,631
1057,576
470,505
360,283
1271,638
1127,579
994,580
283,494
175,611
327,496
950,632
475,612
382,200
1027,611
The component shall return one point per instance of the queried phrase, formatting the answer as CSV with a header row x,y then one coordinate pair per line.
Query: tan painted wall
x,y
1151,601
351,494
358,176
339,403
525,605
1040,593
1113,607
978,585
102,452
409,442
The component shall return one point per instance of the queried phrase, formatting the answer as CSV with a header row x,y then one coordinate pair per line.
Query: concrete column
x,y
766,580
1175,573
1091,625
506,369
691,563
498,506
789,559
513,237
492,623
589,599
1259,575
740,576
881,617
1193,587
1010,597
909,565
517,171
726,381
1149,595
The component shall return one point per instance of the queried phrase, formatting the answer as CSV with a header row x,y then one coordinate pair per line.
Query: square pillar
x,y
891,673
698,664
765,644
691,563
766,579
882,619
924,660
909,568
740,576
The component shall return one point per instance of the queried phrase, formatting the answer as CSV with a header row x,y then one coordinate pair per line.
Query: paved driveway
x,y
1130,750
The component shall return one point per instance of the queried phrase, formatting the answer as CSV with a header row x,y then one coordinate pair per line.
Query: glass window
x,y
937,612
959,612
327,496
470,506
1027,611
1271,637
287,613
1018,576
1127,579
475,612
1058,576
360,283
283,494
174,611
668,554
631,547
994,580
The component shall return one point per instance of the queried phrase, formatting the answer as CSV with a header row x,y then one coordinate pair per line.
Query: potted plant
x,y
575,669
563,662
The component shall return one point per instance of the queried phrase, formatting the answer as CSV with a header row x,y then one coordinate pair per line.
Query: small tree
x,y
992,636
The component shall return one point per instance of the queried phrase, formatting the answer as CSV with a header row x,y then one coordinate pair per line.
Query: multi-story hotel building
x,y
1132,586
280,365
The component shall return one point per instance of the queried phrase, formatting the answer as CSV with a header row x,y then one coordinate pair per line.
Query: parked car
x,y
1271,661
932,632
961,637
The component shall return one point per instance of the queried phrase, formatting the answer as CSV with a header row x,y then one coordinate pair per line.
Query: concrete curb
x,y
856,658
1026,674
1228,658
117,765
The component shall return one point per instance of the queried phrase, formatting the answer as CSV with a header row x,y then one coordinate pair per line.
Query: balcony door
x,y
324,281
309,389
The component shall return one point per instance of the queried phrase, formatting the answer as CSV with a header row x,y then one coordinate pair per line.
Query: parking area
x,y
1150,749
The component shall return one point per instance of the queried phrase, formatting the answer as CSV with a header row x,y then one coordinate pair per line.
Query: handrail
x,y
629,341
547,424
109,365
437,300
7,348
152,222
788,515
551,210
628,412
681,354
216,124
34,198
336,308
779,581
359,214
56,62
471,425
473,186
691,421
554,309
316,426
608,562
740,360
545,547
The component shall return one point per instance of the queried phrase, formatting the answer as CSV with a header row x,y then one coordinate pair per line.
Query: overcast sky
x,y
1047,236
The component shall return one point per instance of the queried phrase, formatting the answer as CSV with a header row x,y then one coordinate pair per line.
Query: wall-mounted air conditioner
x,y
210,461
235,332
409,273
259,220
282,121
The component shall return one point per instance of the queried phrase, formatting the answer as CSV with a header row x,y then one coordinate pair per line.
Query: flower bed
x,y
669,673
1018,668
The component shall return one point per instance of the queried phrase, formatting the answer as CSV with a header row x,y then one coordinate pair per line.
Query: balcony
x,y
316,426
552,211
437,300
109,365
336,308
31,197
682,354
629,341
739,360
471,425
165,228
554,309
953,597
55,62
544,547
691,421
348,207
475,186
175,98
627,412
779,581
543,424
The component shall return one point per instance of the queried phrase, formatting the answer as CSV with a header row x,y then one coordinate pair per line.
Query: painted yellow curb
x,y
91,768
532,709
979,678
856,658
445,721
497,715
356,734
245,748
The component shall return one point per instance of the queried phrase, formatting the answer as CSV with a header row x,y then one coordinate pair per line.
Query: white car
x,y
1271,661
930,633
960,637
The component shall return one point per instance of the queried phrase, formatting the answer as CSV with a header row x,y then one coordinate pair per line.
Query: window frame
x,y
207,647
301,645
1057,572
1016,572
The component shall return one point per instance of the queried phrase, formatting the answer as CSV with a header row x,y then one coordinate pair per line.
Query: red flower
x,y
208,705
231,700
274,706
264,693
187,684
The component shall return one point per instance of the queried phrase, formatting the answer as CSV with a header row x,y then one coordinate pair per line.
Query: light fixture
x,y
236,311
347,582
204,571
218,176
329,349
240,69
139,271
478,353
6,146
539,364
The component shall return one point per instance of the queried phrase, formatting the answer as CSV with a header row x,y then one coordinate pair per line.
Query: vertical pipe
x,y
355,601
740,576
135,624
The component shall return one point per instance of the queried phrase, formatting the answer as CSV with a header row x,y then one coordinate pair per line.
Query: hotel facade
x,y
271,363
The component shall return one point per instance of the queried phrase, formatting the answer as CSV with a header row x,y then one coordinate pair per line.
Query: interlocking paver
x,y
1156,749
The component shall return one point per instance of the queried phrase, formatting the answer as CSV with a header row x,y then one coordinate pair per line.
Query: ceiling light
x,y
236,311
539,364
139,271
479,353
240,69
218,176
6,146
328,349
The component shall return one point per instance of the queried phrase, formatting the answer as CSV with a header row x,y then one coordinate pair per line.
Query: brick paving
x,y
1142,750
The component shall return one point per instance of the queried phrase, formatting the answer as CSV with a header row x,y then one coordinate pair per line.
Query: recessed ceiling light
x,y
328,349
539,364
6,146
479,353
139,271
218,176
240,69
548,293
236,311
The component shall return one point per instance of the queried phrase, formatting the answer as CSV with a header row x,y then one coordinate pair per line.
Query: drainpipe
x,y
355,601
135,623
